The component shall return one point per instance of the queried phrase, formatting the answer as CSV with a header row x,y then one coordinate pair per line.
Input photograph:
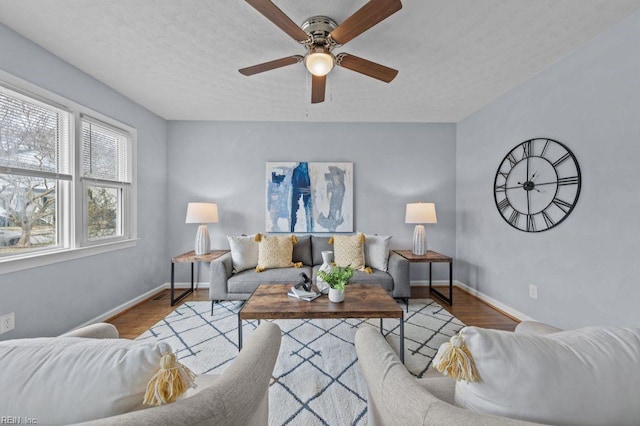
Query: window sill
x,y
64,255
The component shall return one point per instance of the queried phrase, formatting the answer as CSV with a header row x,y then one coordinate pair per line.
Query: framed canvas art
x,y
309,197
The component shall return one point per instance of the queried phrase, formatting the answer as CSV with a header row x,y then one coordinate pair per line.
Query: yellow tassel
x,y
330,240
257,238
171,381
259,268
362,238
294,239
297,265
368,270
454,360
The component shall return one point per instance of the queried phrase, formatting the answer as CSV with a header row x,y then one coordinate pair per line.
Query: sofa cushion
x,y
318,245
244,252
67,380
348,250
275,251
248,281
374,277
376,251
588,376
302,250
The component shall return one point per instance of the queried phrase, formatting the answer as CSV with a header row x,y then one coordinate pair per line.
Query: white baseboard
x,y
126,305
487,299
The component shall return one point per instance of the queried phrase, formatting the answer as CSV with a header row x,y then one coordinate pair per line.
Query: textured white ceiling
x,y
179,58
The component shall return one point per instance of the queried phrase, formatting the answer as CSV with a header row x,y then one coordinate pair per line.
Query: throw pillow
x,y
244,252
349,250
66,380
302,250
588,376
275,252
376,251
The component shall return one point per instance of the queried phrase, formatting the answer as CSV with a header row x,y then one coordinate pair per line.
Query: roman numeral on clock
x,y
501,188
526,149
514,218
562,205
571,180
561,159
531,223
502,205
512,159
547,219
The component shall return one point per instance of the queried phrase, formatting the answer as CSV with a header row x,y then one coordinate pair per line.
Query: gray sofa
x,y
224,284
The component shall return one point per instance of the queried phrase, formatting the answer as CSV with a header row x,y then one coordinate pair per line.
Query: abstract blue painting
x,y
309,197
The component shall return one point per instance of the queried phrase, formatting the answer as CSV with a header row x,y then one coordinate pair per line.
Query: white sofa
x,y
539,378
237,397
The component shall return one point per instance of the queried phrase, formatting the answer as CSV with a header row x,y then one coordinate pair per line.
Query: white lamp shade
x,y
421,213
202,213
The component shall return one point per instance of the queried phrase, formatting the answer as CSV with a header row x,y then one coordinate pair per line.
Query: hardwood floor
x,y
469,309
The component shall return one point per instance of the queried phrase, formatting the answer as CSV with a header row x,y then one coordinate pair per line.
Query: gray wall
x,y
52,299
587,268
393,164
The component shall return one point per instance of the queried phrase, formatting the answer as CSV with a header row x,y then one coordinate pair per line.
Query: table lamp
x,y
420,213
202,213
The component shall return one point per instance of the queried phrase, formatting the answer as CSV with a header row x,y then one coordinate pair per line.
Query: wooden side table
x,y
432,257
191,257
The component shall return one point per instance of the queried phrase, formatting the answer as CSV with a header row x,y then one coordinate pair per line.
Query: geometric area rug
x,y
316,380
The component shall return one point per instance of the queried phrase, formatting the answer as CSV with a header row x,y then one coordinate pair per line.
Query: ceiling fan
x,y
320,35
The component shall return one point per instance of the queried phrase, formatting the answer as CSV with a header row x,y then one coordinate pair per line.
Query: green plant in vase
x,y
337,280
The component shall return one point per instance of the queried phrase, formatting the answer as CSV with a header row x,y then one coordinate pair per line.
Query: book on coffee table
x,y
303,294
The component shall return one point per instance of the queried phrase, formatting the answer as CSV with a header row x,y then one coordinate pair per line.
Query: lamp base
x,y
419,241
203,243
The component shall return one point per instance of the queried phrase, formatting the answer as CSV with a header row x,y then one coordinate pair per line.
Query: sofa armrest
x,y
399,271
536,328
238,397
220,271
396,397
100,330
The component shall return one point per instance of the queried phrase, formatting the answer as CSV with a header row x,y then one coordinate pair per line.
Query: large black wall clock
x,y
537,185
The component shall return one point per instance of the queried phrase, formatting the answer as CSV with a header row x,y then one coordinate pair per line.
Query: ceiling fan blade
x,y
366,17
366,67
317,88
271,65
278,17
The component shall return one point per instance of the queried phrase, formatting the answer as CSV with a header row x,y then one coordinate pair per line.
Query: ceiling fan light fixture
x,y
319,61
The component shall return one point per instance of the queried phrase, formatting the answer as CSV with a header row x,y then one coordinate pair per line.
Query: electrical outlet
x,y
7,323
533,291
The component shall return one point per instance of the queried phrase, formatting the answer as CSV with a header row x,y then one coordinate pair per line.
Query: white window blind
x,y
105,152
30,137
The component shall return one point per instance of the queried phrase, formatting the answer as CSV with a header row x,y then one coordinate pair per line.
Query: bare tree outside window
x,y
28,153
102,212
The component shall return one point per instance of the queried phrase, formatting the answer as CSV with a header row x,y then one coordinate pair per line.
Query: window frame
x,y
85,182
73,241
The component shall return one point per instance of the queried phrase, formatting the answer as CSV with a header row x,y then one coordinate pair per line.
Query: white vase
x,y
336,296
327,258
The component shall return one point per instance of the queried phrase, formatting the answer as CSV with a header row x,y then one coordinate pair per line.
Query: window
x,y
105,176
34,172
62,186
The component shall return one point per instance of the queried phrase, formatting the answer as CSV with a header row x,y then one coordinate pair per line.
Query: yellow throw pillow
x,y
275,252
349,250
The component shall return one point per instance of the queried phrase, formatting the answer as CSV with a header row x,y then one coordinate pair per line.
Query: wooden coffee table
x,y
270,301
